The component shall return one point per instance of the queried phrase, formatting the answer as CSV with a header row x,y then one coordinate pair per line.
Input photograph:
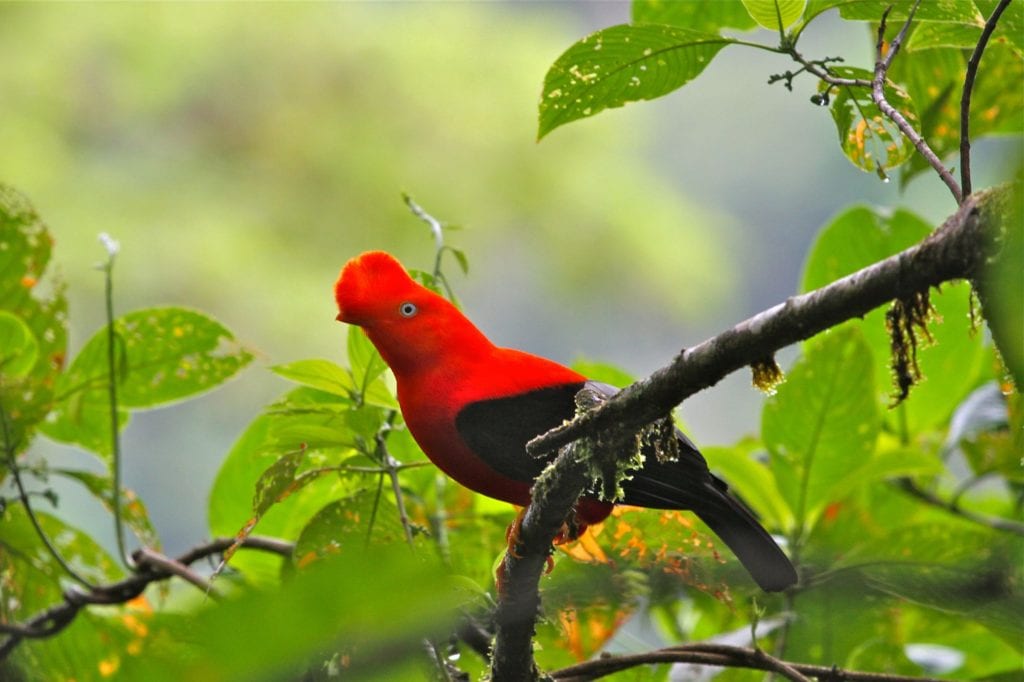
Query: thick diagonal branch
x,y
956,250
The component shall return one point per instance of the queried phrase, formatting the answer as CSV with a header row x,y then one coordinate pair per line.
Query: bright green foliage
x,y
776,15
709,16
133,510
19,349
34,320
820,427
163,355
335,606
622,64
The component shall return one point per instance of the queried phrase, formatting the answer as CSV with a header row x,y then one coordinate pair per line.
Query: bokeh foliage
x,y
389,554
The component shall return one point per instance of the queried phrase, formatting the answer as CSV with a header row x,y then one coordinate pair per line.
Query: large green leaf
x,y
621,64
373,608
162,355
36,299
1006,280
708,16
854,239
257,451
323,375
860,236
870,139
821,425
958,11
775,15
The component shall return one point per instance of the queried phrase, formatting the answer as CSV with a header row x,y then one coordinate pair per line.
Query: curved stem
x,y
965,99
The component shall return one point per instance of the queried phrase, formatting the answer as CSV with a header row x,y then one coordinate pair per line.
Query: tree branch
x,y
965,98
994,522
152,567
725,656
882,65
956,250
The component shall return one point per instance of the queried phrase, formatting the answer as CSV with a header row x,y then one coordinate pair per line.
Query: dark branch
x,y
965,99
956,250
993,522
152,567
725,656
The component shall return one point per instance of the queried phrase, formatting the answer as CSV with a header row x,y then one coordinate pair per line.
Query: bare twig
x,y
993,522
153,568
882,64
725,656
965,99
148,557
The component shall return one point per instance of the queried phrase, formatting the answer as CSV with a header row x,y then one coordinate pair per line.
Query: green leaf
x,y
373,607
256,450
621,64
821,425
320,374
348,526
37,299
1005,278
775,15
959,11
163,355
753,481
1010,28
19,349
275,482
33,582
870,139
949,366
366,363
133,510
604,372
707,16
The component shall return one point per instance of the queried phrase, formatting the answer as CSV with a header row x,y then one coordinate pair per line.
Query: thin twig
x,y
993,522
55,618
148,557
724,656
882,64
965,98
12,464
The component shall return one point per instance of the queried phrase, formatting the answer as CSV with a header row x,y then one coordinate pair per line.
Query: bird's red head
x,y
373,286
410,325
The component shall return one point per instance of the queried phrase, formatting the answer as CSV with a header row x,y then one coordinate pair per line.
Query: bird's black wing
x,y
498,429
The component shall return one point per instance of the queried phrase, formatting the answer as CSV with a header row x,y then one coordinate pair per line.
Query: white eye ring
x,y
408,309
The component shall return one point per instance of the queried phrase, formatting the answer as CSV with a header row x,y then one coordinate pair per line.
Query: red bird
x,y
472,407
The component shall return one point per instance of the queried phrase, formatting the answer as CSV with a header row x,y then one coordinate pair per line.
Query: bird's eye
x,y
408,309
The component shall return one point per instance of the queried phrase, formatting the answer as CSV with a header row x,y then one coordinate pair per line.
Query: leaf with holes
x,y
349,525
34,297
775,15
867,136
162,355
133,511
625,63
709,16
821,425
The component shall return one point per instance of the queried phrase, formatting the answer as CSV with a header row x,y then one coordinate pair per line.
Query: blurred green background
x,y
242,152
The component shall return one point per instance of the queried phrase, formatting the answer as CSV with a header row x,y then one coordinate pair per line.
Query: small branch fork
x,y
150,566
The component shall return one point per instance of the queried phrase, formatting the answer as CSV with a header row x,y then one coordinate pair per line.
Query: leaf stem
x,y
115,430
23,495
